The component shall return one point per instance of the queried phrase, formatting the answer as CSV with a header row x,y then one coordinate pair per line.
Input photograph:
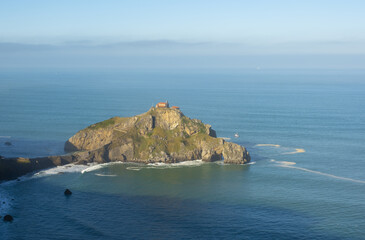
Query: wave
x,y
105,175
69,168
286,165
267,145
192,163
297,150
95,167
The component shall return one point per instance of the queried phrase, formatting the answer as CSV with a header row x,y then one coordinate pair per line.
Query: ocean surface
x,y
305,131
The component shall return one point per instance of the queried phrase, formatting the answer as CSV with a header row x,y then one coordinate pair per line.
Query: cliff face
x,y
159,135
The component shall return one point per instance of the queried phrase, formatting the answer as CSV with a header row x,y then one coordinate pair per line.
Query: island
x,y
163,134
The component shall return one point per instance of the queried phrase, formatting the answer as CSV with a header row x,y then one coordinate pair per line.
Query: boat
x,y
236,135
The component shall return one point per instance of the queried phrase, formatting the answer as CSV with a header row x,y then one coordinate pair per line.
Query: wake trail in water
x,y
320,173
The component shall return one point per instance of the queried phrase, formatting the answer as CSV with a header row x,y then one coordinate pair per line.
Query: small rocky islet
x,y
160,135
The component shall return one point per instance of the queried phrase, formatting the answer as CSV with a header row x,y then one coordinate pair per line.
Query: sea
x,y
304,129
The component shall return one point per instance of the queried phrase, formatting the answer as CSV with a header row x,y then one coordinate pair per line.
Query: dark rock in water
x,y
8,218
1,157
68,192
3,202
8,143
18,180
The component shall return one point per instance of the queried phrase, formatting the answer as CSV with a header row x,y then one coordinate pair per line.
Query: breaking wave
x,y
95,167
191,163
69,168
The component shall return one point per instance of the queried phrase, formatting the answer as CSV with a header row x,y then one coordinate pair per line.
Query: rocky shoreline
x,y
161,135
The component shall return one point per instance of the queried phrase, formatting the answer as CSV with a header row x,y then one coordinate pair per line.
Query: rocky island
x,y
162,134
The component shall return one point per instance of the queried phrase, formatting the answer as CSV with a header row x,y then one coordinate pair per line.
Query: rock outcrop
x,y
233,153
159,135
8,218
67,192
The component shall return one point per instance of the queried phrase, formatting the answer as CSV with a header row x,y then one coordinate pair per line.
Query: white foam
x,y
94,166
133,168
251,163
323,174
297,150
267,145
105,175
69,168
286,162
192,163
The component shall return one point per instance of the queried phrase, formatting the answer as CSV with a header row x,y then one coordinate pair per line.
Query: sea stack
x,y
162,134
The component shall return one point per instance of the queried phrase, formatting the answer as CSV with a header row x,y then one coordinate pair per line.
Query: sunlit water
x,y
305,132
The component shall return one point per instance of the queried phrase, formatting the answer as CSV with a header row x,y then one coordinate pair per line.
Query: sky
x,y
94,31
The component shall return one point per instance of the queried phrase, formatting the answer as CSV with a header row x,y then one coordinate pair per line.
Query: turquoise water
x,y
305,132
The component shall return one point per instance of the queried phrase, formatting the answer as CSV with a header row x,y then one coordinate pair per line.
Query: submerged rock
x,y
67,192
8,218
8,143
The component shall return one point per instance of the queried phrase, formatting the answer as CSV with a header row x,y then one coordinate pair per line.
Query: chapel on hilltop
x,y
162,105
165,105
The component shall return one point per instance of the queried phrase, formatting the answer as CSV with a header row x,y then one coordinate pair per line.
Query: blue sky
x,y
195,27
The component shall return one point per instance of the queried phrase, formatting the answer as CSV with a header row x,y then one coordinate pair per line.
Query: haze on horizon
x,y
183,34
